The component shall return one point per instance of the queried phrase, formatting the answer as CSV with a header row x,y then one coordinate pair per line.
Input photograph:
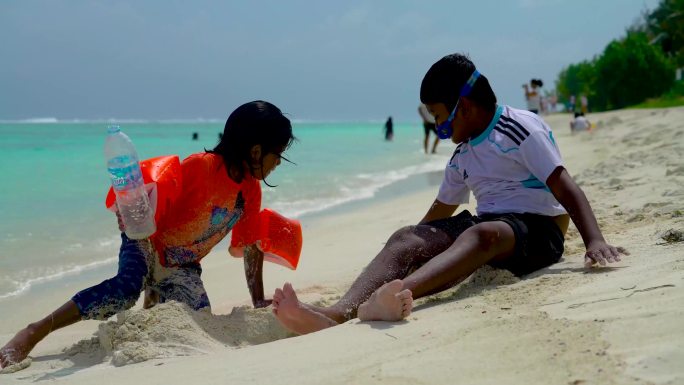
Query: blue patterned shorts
x,y
182,284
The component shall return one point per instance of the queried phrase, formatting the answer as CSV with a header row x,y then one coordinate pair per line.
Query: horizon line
x,y
53,120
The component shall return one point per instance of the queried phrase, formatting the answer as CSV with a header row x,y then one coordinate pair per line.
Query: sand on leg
x,y
474,247
407,249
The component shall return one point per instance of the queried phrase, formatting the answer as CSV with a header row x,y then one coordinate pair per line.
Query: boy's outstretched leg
x,y
18,348
410,247
406,249
477,246
480,244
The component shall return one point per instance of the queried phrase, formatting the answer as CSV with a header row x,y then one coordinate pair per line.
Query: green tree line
x,y
634,68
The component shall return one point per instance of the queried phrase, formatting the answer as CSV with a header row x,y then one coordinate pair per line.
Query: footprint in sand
x,y
677,171
636,218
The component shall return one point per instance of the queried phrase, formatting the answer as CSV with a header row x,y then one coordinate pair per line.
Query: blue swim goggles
x,y
444,130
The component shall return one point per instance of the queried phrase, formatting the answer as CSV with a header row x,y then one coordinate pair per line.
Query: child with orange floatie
x,y
220,192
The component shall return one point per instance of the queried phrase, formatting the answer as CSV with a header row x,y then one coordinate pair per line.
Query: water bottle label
x,y
124,176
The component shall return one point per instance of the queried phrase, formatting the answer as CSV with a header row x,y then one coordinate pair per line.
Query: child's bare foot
x,y
388,303
18,348
295,316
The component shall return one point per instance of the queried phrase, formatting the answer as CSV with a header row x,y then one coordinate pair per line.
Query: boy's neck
x,y
481,119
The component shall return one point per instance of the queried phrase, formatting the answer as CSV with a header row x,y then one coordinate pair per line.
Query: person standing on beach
x,y
553,100
509,159
220,193
389,129
584,104
571,104
428,126
533,96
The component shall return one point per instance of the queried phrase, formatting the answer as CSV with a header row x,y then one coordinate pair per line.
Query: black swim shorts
x,y
538,239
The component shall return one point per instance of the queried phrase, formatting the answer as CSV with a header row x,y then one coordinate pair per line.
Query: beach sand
x,y
562,325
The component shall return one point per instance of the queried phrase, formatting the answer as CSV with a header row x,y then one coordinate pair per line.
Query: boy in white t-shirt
x,y
510,161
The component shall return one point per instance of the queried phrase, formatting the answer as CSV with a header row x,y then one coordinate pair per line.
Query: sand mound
x,y
173,329
489,276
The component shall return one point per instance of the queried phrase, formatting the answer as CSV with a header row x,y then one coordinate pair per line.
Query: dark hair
x,y
578,114
252,123
444,80
537,82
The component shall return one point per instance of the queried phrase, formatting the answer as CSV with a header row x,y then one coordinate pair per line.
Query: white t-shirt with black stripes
x,y
505,167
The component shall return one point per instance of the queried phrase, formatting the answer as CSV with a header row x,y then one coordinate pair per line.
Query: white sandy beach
x,y
562,325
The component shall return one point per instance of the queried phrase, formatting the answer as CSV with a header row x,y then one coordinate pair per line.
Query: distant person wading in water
x,y
389,129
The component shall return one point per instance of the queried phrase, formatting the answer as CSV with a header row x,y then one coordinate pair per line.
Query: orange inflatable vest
x,y
163,180
280,238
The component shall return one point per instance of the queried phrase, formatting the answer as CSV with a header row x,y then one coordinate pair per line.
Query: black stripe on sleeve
x,y
512,129
523,129
508,134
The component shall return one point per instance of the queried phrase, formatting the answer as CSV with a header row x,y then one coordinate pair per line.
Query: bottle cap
x,y
113,129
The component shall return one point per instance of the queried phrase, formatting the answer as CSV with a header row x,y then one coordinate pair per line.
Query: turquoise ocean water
x,y
53,223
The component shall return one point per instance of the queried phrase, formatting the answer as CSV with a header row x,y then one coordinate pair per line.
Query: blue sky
x,y
319,60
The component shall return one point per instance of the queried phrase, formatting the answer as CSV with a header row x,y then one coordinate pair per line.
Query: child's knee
x,y
105,306
491,236
404,235
131,290
108,298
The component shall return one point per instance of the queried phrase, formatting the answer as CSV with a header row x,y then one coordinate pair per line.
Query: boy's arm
x,y
438,210
575,202
254,268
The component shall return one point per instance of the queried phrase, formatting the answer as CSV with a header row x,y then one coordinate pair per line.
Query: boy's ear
x,y
255,152
467,106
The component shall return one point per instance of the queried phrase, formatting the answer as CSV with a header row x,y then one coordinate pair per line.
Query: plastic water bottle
x,y
127,181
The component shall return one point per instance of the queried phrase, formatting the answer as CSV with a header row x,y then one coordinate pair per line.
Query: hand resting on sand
x,y
602,253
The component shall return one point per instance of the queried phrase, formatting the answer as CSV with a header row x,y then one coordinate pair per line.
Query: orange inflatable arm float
x,y
163,180
280,238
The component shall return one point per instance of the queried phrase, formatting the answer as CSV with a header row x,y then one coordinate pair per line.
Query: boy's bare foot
x,y
18,348
294,315
388,303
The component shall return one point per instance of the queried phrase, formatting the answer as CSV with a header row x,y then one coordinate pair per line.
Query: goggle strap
x,y
468,86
